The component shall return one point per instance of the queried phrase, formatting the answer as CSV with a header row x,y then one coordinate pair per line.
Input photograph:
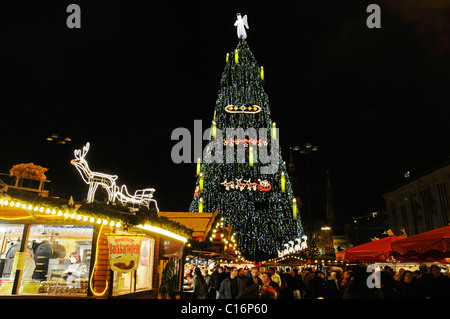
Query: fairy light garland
x,y
53,212
95,265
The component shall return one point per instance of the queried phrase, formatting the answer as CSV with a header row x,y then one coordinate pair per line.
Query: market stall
x,y
433,245
375,251
51,247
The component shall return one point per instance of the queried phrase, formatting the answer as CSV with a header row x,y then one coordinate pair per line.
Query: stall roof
x,y
431,245
200,223
375,251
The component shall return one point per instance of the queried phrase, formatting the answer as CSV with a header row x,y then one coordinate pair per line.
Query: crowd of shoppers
x,y
357,282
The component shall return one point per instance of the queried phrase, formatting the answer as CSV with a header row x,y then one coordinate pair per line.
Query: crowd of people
x,y
307,283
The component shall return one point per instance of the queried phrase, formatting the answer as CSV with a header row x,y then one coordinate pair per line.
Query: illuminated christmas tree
x,y
242,173
313,250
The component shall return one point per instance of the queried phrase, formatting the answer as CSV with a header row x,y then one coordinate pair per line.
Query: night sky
x,y
373,100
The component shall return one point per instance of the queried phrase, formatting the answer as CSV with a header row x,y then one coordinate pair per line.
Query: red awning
x,y
433,245
375,251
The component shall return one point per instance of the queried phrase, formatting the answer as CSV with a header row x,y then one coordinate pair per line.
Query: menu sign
x,y
124,252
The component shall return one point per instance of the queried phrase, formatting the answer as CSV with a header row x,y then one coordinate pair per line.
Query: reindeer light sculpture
x,y
108,182
93,179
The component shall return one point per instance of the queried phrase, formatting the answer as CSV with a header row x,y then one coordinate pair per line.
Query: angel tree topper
x,y
241,23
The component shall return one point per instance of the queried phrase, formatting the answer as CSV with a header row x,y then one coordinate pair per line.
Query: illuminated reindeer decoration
x,y
108,182
291,248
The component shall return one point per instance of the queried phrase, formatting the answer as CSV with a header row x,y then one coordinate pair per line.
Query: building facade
x,y
421,203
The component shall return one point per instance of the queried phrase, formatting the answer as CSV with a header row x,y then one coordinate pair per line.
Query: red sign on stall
x,y
124,252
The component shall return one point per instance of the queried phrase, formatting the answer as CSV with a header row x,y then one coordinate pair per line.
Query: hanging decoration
x,y
248,109
241,184
108,182
197,191
245,141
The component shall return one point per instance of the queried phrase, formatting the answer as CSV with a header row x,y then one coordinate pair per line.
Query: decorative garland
x,y
250,109
241,185
96,210
245,141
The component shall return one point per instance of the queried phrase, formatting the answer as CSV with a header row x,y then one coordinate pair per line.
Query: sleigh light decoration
x,y
141,197
292,248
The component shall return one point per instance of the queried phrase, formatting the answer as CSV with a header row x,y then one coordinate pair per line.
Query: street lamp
x,y
306,148
58,139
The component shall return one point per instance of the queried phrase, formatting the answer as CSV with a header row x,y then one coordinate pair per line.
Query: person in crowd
x,y
434,284
317,287
358,289
229,286
346,279
210,292
200,286
275,276
254,277
408,288
388,285
298,285
417,274
307,283
268,289
217,277
332,286
241,280
287,284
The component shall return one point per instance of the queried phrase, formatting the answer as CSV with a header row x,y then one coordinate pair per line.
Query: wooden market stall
x,y
52,247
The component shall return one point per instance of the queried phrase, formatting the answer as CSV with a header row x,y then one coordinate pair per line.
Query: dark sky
x,y
373,100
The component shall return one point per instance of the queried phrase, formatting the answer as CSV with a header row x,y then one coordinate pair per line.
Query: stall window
x,y
57,260
141,278
10,237
144,273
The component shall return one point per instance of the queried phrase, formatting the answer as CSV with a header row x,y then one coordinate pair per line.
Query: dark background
x,y
373,100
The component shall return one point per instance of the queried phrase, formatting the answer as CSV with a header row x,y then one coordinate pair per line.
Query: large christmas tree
x,y
242,173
